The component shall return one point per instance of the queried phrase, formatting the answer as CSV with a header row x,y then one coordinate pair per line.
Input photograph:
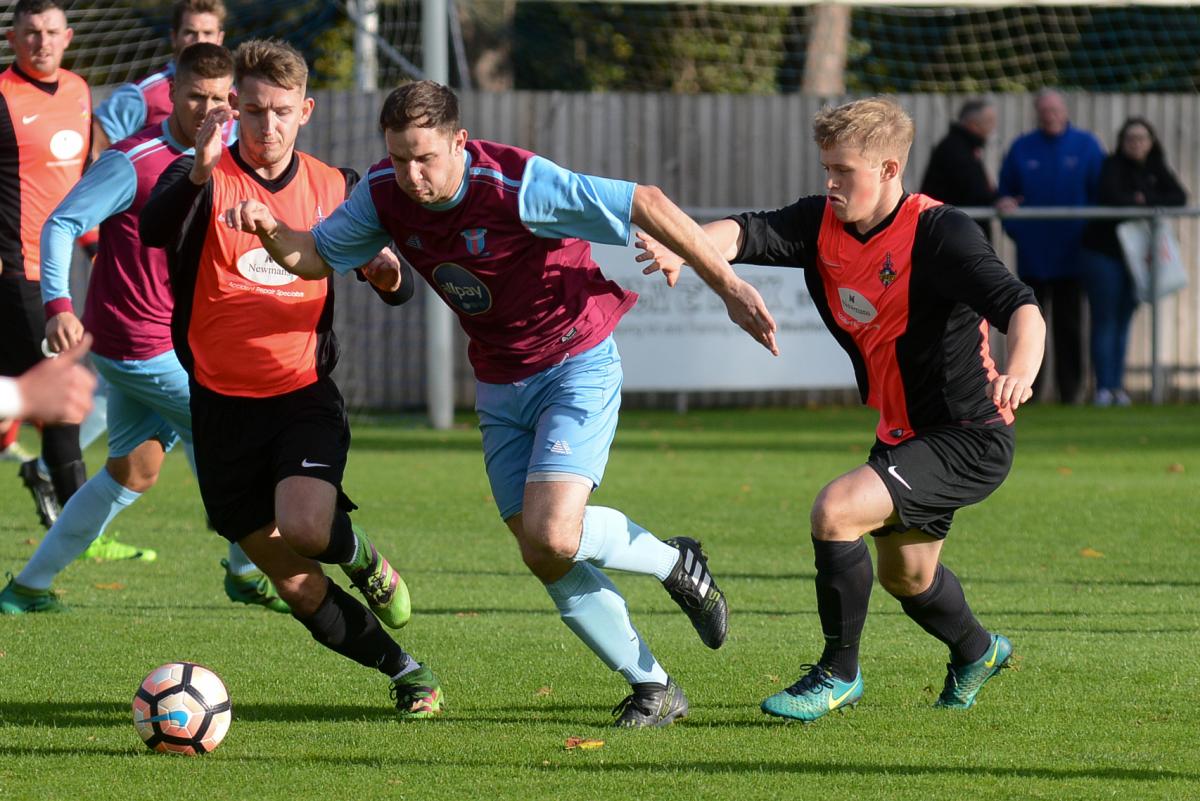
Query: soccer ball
x,y
182,708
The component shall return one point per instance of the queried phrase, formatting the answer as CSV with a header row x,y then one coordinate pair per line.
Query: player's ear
x,y
890,169
460,141
306,109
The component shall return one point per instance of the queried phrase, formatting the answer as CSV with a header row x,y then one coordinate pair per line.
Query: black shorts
x,y
939,471
245,446
22,324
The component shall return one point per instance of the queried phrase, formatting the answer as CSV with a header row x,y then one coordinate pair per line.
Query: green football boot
x,y
18,600
253,588
418,694
385,592
963,682
817,693
106,548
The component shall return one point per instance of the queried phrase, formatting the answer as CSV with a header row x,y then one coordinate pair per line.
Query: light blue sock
x,y
593,608
82,520
612,540
239,563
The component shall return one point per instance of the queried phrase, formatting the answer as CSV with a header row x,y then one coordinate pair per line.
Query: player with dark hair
x,y
269,424
128,312
133,106
502,234
45,120
909,288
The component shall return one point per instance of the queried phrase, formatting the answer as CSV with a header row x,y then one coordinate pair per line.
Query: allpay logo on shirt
x,y
258,266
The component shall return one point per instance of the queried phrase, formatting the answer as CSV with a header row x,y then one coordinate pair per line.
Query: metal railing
x,y
1156,215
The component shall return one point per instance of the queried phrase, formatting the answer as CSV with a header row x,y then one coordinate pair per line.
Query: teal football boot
x,y
963,682
817,693
18,600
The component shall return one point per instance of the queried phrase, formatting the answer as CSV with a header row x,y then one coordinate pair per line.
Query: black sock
x,y
64,461
943,612
844,578
341,541
67,479
344,625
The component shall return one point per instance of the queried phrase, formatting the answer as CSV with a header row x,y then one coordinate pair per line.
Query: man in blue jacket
x,y
1053,165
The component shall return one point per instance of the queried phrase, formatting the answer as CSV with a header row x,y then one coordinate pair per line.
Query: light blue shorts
x,y
561,420
147,399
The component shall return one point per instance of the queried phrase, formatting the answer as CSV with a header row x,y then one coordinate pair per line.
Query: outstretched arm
x,y
726,236
294,251
654,212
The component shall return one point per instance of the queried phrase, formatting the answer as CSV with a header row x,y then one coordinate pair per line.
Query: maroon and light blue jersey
x,y
509,253
129,301
133,106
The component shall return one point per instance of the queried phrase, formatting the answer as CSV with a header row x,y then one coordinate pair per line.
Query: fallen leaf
x,y
771,677
466,614
582,743
745,488
1072,449
542,692
2,654
112,585
1065,471
1175,467
31,541
1091,553
545,763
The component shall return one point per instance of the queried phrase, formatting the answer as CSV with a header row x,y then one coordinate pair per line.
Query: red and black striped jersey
x,y
910,301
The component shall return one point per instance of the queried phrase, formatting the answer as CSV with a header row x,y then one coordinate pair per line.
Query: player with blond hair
x,y
909,288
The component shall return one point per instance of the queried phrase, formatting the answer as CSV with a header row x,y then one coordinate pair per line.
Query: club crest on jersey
x,y
887,274
414,242
320,214
474,237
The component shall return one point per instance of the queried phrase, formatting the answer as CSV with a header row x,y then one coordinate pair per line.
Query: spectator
x,y
1054,165
955,173
1136,174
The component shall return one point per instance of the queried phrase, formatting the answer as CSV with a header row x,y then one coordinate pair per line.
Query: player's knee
x,y
902,583
306,534
303,592
828,518
541,555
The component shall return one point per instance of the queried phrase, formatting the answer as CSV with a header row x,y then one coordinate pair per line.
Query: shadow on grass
x,y
816,769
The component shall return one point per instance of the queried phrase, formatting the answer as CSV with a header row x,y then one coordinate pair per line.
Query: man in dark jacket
x,y
955,173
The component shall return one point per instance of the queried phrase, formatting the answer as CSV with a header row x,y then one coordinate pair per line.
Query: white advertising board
x,y
681,338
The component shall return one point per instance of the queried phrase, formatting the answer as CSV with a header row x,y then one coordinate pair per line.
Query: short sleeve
x,y
556,203
123,113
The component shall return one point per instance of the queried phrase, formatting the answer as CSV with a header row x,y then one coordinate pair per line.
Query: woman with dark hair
x,y
1136,174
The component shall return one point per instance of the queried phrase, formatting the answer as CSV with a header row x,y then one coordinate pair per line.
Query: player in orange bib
x,y
909,288
269,425
45,121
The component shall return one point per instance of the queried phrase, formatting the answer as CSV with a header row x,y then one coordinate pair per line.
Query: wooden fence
x,y
717,151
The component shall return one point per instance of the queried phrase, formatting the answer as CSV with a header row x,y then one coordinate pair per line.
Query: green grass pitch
x,y
1086,558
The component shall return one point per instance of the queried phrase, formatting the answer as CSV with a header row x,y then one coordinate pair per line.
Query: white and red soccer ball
x,y
182,708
